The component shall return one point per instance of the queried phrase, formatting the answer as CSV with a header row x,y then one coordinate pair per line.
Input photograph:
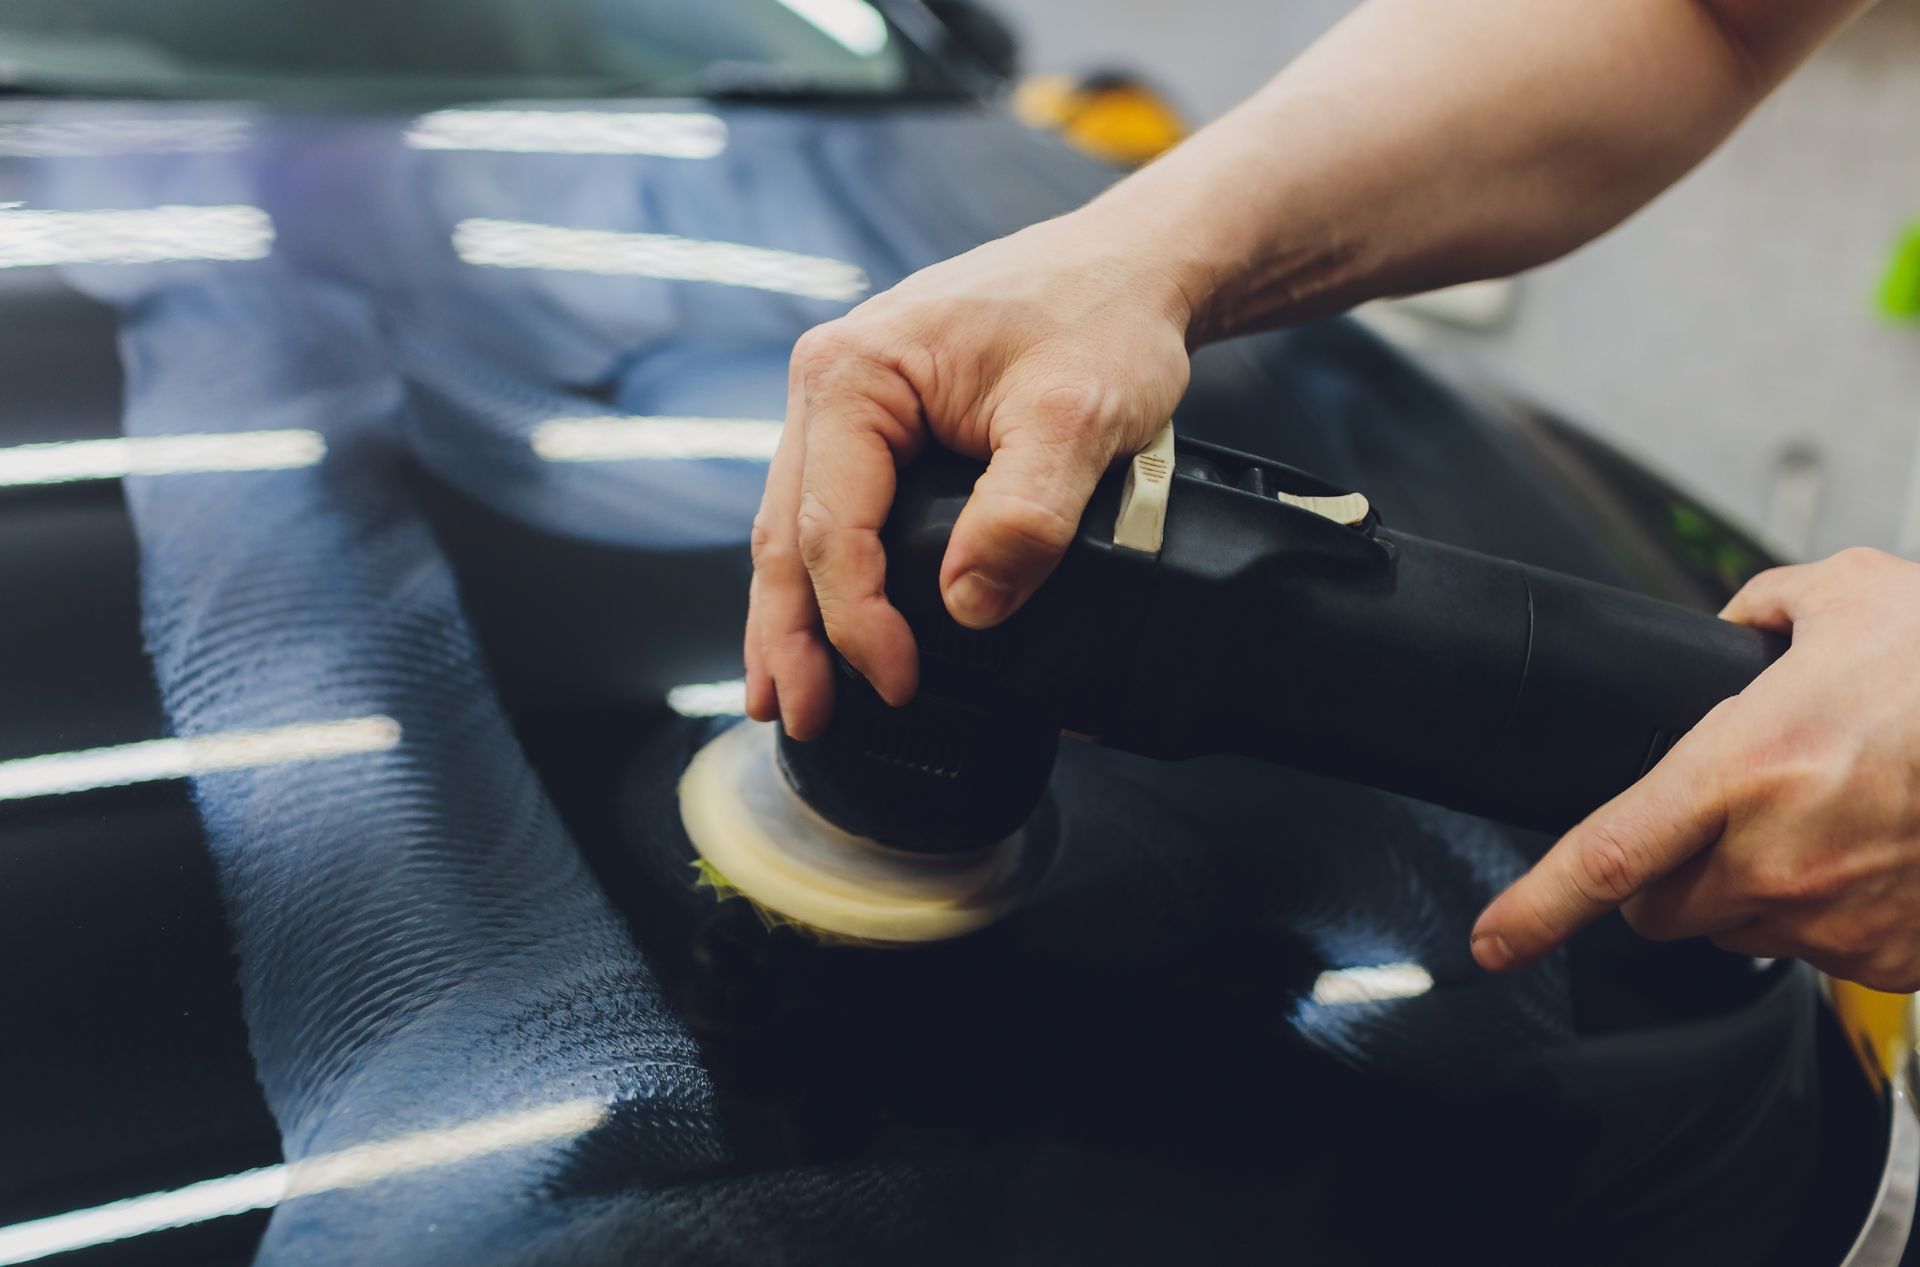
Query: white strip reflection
x,y
159,759
630,439
853,24
1375,983
153,235
92,138
67,461
709,699
521,244
269,1186
571,132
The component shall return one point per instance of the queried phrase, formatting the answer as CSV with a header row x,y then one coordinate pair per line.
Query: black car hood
x,y
432,939
514,287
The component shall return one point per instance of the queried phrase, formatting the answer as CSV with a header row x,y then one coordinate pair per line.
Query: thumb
x,y
1022,516
1636,838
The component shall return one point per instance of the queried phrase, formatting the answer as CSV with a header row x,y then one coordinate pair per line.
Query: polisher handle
x,y
1272,615
1267,614
1456,677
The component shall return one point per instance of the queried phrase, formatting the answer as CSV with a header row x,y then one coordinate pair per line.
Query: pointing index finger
x,y
1636,838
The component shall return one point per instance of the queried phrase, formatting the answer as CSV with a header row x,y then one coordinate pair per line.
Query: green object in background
x,y
1900,293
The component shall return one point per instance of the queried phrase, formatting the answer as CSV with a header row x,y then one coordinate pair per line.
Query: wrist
x,y
1144,241
1237,241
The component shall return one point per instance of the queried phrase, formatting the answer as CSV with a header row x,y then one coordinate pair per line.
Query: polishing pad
x,y
748,824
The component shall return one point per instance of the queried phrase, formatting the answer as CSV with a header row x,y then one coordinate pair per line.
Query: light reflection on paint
x,y
94,138
66,461
159,759
571,132
521,244
853,24
152,235
709,699
271,1185
630,439
1374,983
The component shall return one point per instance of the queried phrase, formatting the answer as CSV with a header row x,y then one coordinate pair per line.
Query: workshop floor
x,y
1726,335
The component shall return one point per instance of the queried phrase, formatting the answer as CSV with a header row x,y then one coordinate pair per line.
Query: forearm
x,y
1423,143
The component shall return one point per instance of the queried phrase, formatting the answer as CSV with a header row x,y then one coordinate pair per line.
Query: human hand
x,y
1787,823
1052,352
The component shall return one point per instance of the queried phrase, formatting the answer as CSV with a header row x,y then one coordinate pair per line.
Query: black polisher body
x,y
1264,629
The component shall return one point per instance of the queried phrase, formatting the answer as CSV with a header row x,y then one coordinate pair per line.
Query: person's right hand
x,y
1053,352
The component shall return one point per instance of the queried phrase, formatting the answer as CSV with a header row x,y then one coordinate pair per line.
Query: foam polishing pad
x,y
756,837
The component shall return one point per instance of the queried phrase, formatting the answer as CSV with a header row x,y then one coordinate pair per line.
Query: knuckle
x,y
762,543
1841,576
1860,559
820,344
1604,869
923,363
825,354
1069,406
815,526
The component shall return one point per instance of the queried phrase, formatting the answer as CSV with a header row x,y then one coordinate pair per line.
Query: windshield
x,y
348,48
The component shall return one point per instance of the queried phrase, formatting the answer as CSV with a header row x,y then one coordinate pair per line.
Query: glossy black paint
x,y
126,1066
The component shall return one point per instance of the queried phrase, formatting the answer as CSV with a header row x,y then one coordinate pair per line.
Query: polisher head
x,y
751,827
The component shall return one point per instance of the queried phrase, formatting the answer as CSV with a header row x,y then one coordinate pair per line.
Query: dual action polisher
x,y
1212,603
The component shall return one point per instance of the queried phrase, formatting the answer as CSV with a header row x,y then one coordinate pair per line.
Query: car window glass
x,y
528,46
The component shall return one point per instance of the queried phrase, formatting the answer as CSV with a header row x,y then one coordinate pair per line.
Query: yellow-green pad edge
x,y
755,837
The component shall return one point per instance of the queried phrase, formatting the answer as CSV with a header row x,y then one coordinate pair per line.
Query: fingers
x,y
1772,600
854,442
763,703
789,675
1022,516
1641,835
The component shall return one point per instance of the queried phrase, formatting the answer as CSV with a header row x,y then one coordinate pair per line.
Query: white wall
x,y
1725,325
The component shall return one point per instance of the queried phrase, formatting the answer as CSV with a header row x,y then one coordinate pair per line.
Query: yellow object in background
x,y
1880,1027
1114,117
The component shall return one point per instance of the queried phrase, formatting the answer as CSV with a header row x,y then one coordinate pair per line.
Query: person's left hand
x,y
1787,823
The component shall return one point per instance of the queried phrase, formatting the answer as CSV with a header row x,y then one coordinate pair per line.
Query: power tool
x,y
1212,603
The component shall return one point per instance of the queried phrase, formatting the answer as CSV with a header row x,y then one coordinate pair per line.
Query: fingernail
x,y
977,600
1492,951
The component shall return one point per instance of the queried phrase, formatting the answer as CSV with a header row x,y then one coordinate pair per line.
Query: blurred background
x,y
1729,335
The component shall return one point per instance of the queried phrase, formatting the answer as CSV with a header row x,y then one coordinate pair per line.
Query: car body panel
x,y
472,920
